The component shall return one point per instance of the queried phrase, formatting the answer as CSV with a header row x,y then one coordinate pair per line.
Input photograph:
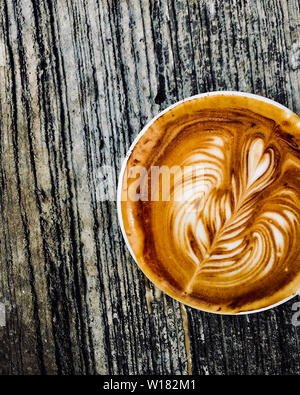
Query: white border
x,y
123,168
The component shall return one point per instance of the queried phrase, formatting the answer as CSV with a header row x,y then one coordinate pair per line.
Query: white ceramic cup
x,y
145,128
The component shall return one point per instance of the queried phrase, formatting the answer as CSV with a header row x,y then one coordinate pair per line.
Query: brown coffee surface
x,y
227,237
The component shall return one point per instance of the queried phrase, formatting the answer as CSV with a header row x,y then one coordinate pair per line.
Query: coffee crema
x,y
231,241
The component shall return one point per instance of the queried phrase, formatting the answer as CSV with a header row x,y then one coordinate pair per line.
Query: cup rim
x,y
124,165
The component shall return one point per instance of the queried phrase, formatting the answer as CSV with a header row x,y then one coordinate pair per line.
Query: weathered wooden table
x,y
78,80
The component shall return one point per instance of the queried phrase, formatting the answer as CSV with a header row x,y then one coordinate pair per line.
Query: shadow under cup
x,y
209,202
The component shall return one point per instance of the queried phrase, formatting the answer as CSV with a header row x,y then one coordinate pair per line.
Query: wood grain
x,y
78,80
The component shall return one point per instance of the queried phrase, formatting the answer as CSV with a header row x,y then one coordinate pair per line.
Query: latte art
x,y
231,242
228,238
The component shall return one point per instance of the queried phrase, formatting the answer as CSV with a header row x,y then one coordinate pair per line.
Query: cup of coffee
x,y
209,202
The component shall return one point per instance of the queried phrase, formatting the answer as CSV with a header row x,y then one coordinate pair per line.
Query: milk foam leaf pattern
x,y
233,237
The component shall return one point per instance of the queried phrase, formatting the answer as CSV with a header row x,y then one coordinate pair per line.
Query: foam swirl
x,y
223,234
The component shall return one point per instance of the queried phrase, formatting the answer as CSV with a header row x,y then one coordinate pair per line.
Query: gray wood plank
x,y
78,80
